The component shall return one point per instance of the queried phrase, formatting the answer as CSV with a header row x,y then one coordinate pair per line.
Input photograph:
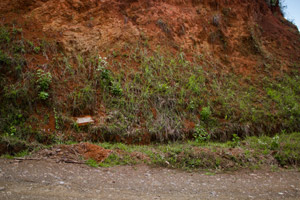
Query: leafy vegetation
x,y
253,152
166,97
43,83
200,134
92,163
285,147
20,88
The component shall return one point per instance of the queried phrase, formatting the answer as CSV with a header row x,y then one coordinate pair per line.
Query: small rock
x,y
213,193
280,193
81,121
2,188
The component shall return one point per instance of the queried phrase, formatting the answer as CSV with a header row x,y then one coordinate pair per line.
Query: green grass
x,y
22,153
92,163
210,173
286,147
254,152
7,156
114,159
18,148
157,98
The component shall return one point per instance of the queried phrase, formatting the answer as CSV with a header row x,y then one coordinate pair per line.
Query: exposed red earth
x,y
219,29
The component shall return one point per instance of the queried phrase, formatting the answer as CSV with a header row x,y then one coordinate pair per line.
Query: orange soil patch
x,y
91,26
75,153
67,153
101,27
92,151
189,126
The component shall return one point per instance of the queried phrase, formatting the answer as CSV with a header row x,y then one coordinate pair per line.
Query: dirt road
x,y
38,180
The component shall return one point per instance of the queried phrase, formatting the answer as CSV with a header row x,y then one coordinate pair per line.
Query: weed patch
x,y
92,163
154,101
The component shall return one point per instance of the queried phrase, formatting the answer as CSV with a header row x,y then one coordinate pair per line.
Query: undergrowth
x,y
165,97
281,150
254,152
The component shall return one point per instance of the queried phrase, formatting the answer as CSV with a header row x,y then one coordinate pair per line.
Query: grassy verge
x,y
251,153
254,152
11,147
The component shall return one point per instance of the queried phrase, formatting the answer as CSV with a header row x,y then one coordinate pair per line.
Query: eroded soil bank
x,y
50,180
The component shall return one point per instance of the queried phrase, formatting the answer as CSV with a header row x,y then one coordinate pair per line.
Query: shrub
x,y
43,79
36,49
43,83
200,134
275,143
235,140
104,75
83,99
4,59
16,31
116,89
43,95
205,113
4,35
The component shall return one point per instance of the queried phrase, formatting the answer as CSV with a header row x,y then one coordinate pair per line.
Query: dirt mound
x,y
84,151
219,27
74,153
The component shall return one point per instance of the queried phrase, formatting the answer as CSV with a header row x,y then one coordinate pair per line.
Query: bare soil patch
x,y
49,180
74,153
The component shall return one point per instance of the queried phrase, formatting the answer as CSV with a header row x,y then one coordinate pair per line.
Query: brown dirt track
x,y
49,180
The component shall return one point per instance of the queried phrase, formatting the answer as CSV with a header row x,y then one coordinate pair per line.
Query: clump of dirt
x,y
218,27
92,151
74,153
78,153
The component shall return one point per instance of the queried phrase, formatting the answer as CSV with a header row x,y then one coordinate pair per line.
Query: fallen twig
x,y
27,159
